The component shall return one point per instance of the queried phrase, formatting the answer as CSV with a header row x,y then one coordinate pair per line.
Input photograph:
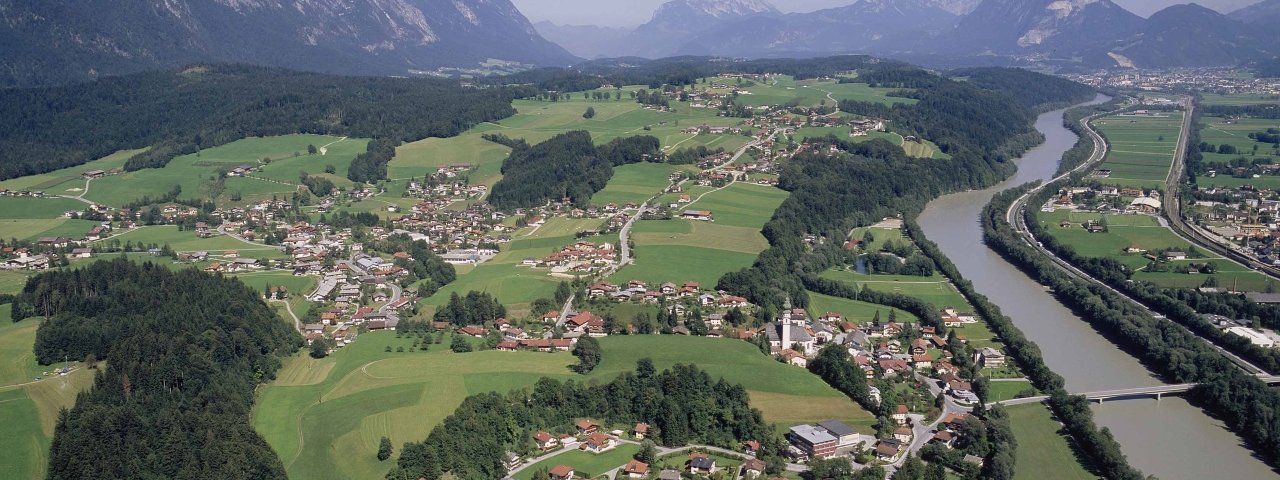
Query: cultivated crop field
x,y
1238,99
1141,147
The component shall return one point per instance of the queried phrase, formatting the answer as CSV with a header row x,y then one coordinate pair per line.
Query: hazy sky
x,y
635,12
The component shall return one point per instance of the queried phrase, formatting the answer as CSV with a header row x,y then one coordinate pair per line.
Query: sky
x,y
619,13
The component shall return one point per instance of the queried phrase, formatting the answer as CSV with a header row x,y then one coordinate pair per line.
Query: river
x,y
1169,437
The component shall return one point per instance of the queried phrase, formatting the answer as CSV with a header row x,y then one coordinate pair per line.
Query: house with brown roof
x,y
635,469
641,430
561,472
545,441
586,426
599,443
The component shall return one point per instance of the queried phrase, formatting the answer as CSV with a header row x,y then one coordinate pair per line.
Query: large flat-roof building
x,y
816,442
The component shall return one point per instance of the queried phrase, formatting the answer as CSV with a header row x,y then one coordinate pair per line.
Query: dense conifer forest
x,y
184,352
180,112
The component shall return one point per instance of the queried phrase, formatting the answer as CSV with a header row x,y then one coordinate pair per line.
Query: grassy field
x,y
1241,99
1006,390
853,310
186,240
67,181
775,388
29,409
324,417
1044,453
1145,232
935,289
196,173
585,464
28,218
517,286
1217,131
537,121
688,250
1141,147
635,183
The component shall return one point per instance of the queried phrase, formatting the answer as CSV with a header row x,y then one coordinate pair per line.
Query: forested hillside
x,y
184,352
179,112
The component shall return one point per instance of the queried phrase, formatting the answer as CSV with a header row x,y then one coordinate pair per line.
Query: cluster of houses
x,y
1105,199
641,291
588,436
580,258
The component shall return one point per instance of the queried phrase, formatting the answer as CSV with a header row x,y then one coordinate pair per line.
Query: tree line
x,y
181,112
186,350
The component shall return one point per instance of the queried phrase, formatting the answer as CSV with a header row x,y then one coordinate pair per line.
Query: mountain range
x,y
53,41
1089,33
59,41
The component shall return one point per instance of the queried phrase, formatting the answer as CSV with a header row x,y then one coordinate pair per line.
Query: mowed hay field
x,y
1044,452
30,217
775,388
636,183
324,417
1145,232
514,285
67,181
692,250
29,408
196,173
1141,147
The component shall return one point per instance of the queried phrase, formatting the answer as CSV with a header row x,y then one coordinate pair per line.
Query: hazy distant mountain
x,y
1050,26
865,26
1193,36
586,41
1266,12
676,22
60,40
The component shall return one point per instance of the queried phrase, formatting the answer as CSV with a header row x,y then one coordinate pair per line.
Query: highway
x,y
1017,218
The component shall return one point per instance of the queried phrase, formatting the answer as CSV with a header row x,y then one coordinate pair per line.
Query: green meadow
x,y
515,285
197,173
1141,147
1220,131
853,310
1145,232
585,464
28,407
1238,99
324,417
691,250
27,218
635,183
1044,450
67,181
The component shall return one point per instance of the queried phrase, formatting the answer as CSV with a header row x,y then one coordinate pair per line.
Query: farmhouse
x,y
704,215
562,472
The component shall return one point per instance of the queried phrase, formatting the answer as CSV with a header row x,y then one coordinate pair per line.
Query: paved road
x,y
1016,217
297,324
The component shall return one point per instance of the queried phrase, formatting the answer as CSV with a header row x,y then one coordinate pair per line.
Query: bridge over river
x,y
1155,391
